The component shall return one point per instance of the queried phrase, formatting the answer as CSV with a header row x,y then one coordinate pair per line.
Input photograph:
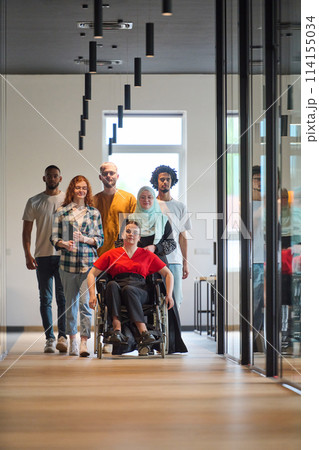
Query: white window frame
x,y
181,150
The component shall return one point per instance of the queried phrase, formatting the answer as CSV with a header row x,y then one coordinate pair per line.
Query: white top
x,y
258,232
41,208
180,221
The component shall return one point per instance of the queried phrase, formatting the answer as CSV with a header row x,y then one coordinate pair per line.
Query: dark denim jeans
x,y
48,268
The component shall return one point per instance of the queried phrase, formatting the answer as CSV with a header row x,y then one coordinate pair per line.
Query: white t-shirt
x,y
41,208
179,219
258,232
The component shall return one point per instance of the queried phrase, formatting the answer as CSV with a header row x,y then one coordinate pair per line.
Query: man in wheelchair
x,y
129,266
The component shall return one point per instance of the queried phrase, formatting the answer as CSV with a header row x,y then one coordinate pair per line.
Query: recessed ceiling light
x,y
111,25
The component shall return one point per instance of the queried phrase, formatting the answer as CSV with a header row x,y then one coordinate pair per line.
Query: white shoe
x,y
49,346
84,349
62,344
74,348
107,348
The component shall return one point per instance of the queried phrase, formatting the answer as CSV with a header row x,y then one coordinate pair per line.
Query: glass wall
x,y
258,183
260,179
290,192
232,235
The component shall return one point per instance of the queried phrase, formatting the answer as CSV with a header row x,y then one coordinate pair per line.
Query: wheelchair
x,y
156,315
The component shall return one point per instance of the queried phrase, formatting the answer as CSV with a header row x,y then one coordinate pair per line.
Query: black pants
x,y
127,292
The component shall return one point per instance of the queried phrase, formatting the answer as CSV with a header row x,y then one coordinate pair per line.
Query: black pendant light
x,y
149,39
137,72
88,87
120,116
85,108
290,98
92,57
82,131
80,141
167,8
110,146
127,96
98,19
284,125
114,137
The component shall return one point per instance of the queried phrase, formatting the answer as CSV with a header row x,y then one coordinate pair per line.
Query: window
x,y
146,141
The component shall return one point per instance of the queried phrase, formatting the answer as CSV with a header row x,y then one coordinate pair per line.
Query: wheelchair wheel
x,y
99,350
96,327
165,329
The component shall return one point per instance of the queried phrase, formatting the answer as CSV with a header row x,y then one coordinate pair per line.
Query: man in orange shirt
x,y
112,203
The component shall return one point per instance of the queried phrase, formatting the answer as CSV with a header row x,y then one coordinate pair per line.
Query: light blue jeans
x,y
76,298
177,271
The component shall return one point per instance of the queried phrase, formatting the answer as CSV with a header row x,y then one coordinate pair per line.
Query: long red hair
x,y
70,191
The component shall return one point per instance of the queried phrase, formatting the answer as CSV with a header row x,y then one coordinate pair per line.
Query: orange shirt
x,y
113,209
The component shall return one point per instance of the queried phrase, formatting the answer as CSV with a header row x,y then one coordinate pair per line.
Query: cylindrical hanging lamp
x,y
114,137
88,87
85,108
127,96
149,39
110,146
98,19
137,72
80,141
82,131
120,116
92,57
167,8
290,98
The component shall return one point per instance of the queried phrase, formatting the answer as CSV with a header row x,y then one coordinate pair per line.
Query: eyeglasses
x,y
134,232
80,188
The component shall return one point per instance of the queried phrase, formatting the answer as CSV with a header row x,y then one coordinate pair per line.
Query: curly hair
x,y
163,169
70,191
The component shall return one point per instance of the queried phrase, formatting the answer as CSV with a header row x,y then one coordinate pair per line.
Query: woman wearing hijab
x,y
157,237
156,231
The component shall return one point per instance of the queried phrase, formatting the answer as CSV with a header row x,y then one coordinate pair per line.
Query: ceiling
x,y
42,37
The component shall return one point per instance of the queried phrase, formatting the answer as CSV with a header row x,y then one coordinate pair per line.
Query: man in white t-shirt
x,y
163,179
46,259
258,258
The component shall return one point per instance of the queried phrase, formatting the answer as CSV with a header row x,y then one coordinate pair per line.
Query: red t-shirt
x,y
117,261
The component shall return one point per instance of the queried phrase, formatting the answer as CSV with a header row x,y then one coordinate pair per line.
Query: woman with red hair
x,y
77,231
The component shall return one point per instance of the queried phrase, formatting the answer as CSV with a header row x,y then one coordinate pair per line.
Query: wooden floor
x,y
193,401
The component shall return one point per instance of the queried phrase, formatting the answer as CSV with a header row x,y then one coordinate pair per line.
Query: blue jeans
x,y
48,268
77,298
258,294
177,271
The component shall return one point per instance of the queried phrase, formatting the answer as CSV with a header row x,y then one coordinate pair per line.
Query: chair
x,y
155,312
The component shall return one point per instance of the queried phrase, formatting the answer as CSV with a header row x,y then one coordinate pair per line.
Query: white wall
x,y
45,132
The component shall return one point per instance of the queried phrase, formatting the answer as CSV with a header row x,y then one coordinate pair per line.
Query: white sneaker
x,y
49,346
74,348
62,344
107,348
84,349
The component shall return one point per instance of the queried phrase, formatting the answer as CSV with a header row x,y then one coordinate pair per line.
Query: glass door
x,y
258,184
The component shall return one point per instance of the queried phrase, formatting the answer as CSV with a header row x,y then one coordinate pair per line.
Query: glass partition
x,y
232,232
290,193
258,183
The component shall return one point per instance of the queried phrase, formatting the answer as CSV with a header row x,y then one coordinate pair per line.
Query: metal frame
x,y
220,141
244,22
271,191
